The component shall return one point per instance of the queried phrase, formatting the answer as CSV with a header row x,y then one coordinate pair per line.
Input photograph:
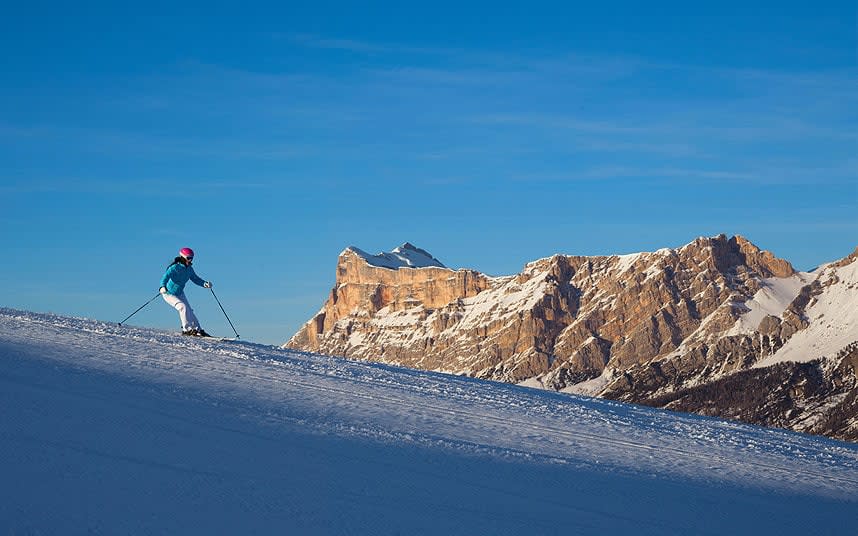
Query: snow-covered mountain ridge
x,y
124,430
657,328
403,256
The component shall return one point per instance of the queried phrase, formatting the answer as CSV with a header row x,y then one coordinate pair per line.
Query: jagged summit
x,y
405,256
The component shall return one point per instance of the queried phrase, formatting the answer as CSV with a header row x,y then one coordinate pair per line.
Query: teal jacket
x,y
177,276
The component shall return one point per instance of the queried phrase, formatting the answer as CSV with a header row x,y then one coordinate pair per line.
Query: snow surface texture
x,y
405,256
122,430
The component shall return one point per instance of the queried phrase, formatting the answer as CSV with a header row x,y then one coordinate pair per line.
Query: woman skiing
x,y
173,291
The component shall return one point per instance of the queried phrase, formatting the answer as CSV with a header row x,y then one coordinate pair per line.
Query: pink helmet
x,y
187,253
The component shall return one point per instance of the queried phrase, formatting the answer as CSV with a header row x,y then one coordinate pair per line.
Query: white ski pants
x,y
186,314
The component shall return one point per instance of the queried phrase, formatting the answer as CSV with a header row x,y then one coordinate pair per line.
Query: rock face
x,y
679,328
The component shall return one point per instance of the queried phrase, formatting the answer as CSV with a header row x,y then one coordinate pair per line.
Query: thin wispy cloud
x,y
365,47
121,141
159,188
641,173
672,149
562,122
314,41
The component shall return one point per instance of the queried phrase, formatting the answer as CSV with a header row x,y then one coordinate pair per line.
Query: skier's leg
x,y
190,317
175,303
180,303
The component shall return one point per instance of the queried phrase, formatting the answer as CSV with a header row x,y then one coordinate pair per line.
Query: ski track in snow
x,y
480,418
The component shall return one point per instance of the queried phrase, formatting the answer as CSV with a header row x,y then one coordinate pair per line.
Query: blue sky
x,y
269,138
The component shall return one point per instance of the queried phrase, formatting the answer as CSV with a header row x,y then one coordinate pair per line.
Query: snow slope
x,y
832,317
772,299
123,430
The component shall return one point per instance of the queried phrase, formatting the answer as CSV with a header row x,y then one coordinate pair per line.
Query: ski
x,y
212,337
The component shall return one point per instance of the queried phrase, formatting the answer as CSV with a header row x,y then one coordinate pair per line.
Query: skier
x,y
173,291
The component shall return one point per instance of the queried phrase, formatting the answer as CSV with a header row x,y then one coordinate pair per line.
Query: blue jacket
x,y
177,276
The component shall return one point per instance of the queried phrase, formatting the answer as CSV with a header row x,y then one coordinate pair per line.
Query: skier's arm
x,y
197,279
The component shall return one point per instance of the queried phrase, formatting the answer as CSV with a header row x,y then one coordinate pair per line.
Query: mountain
x,y
717,327
108,429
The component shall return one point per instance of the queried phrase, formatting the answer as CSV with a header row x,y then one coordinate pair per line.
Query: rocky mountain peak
x,y
735,253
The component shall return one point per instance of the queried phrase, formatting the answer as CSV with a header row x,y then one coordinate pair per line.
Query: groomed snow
x,y
124,430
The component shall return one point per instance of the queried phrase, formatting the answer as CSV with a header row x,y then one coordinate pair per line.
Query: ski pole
x,y
237,336
138,309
